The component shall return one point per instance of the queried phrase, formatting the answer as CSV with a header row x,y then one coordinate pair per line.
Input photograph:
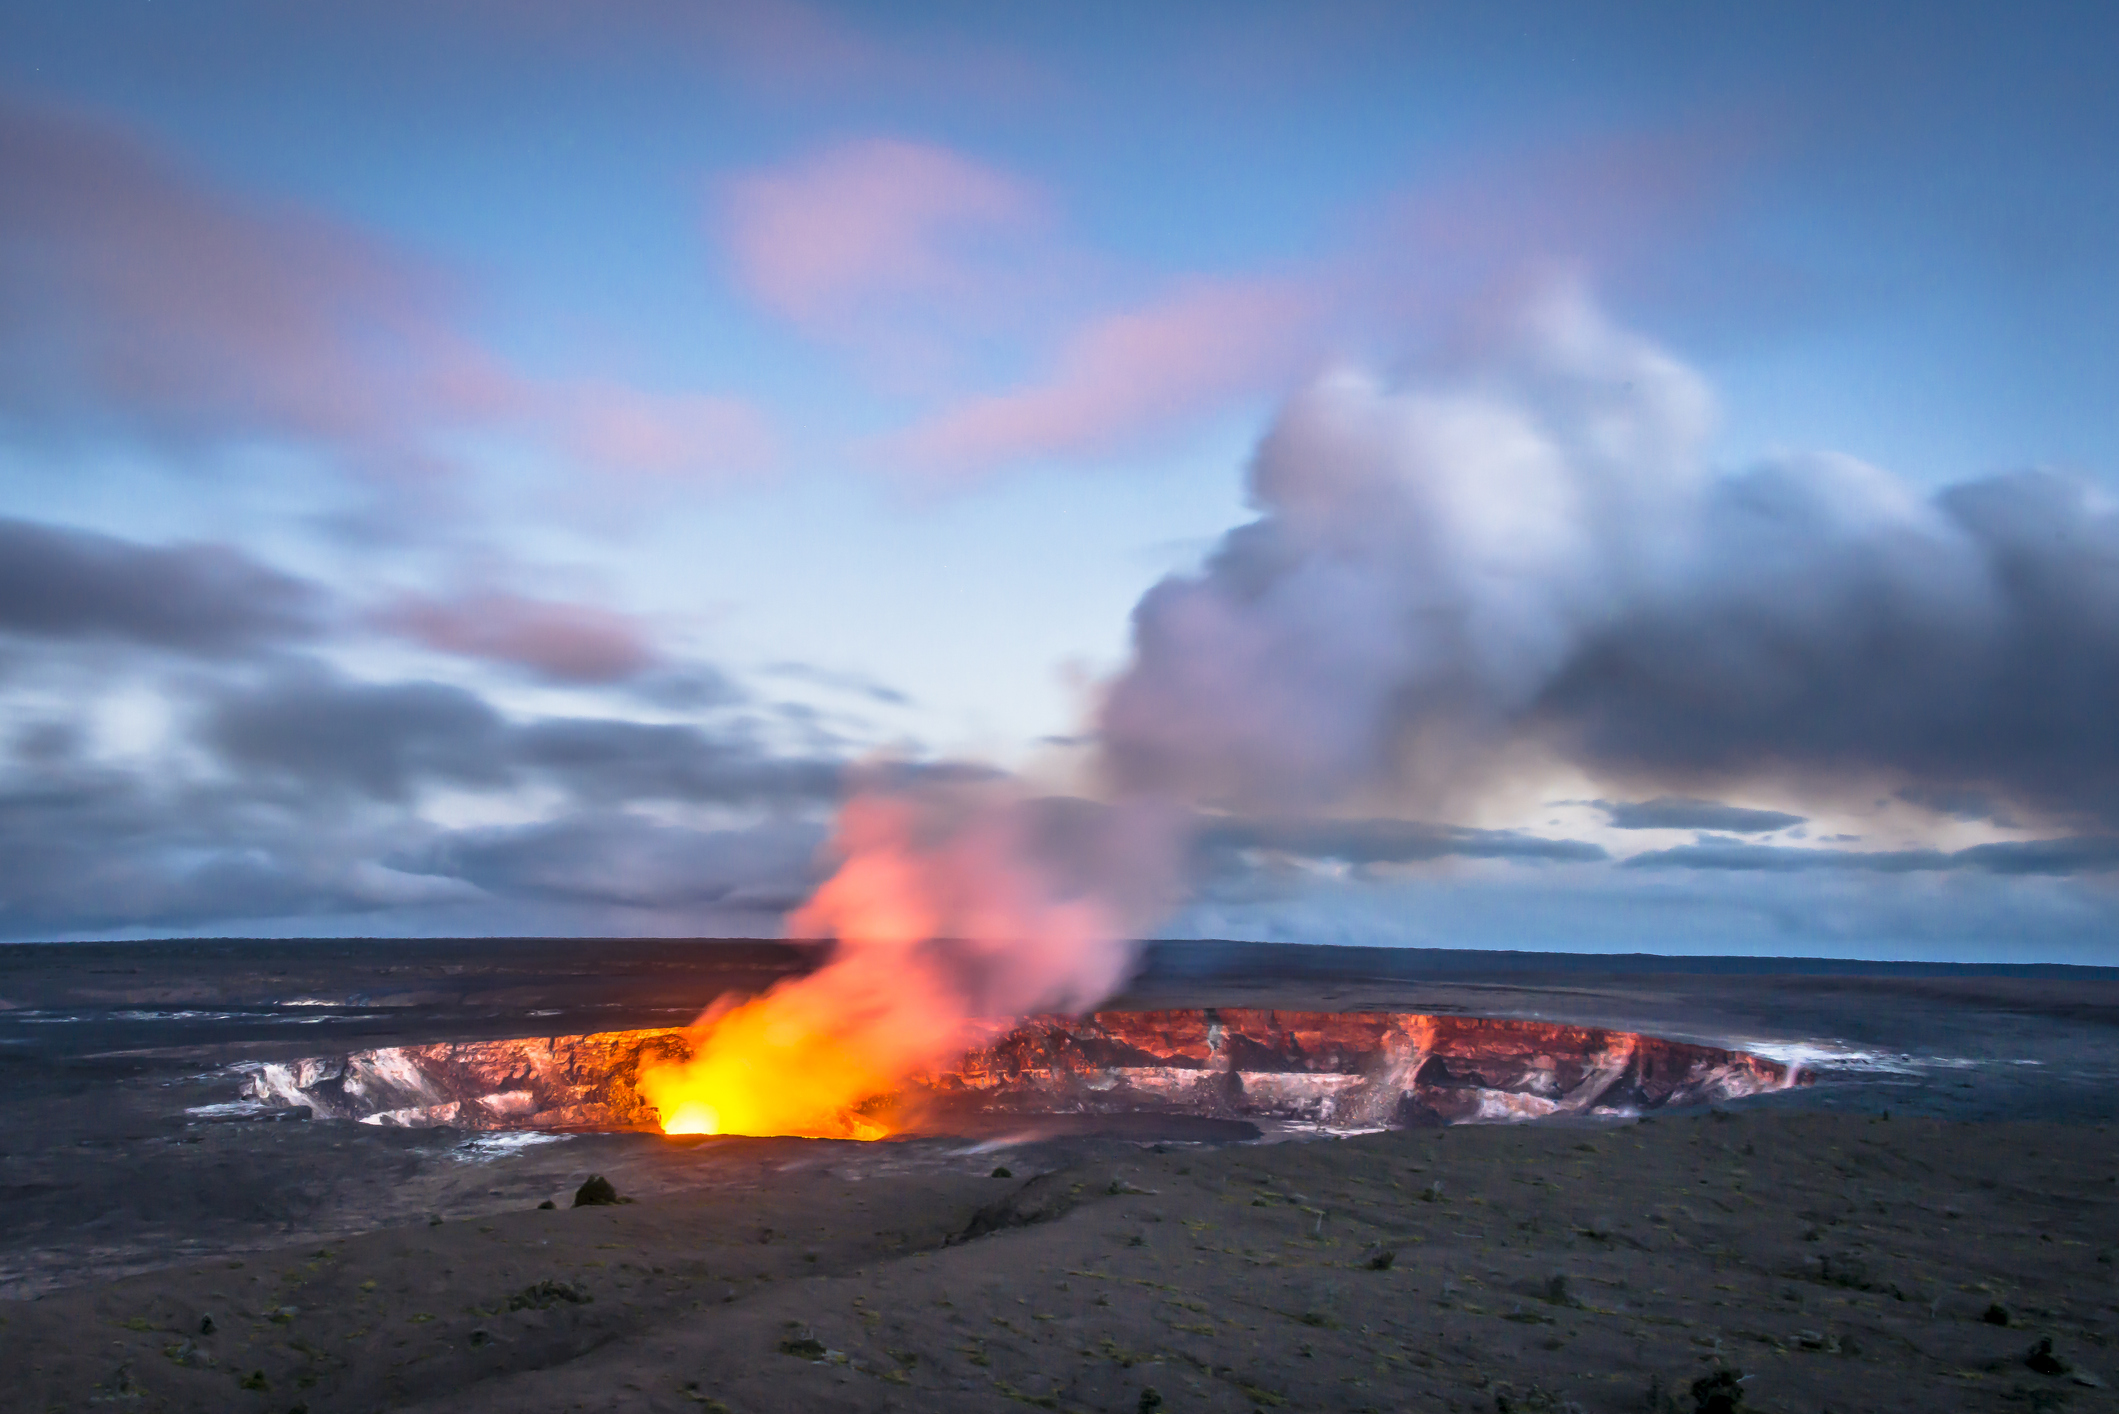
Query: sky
x,y
1500,476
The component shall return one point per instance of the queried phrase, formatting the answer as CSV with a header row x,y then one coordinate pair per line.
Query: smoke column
x,y
958,900
1523,563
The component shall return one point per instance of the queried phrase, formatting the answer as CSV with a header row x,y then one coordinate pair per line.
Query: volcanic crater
x,y
1199,1073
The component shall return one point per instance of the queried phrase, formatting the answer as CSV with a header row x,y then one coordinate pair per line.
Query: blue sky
x,y
758,388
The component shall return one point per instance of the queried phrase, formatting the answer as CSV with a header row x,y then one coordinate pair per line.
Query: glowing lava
x,y
946,907
773,1066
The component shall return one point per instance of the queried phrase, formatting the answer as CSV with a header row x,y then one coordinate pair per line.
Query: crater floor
x,y
1839,1258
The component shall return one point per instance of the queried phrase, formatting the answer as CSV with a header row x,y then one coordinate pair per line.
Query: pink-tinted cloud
x,y
133,289
874,223
609,427
1419,263
1130,375
139,296
565,642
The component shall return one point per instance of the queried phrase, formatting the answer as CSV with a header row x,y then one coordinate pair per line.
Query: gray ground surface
x,y
1957,1204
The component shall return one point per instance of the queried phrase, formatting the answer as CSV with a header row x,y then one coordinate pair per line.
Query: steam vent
x,y
1327,1070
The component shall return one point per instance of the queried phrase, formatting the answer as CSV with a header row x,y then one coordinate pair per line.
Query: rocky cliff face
x,y
1343,1069
557,1082
1333,1069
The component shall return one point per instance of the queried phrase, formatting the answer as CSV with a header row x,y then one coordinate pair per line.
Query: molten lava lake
x,y
1195,1073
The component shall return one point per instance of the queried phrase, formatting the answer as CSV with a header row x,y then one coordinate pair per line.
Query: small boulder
x,y
596,1192
2042,1358
545,1294
1719,1393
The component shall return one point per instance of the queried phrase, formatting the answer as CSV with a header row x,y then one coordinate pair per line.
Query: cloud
x,y
136,290
1672,812
1127,375
58,583
856,684
84,846
691,436
1425,562
143,299
876,221
564,642
387,741
2080,855
1529,558
382,740
1385,841
303,800
1442,256
621,859
1832,621
608,760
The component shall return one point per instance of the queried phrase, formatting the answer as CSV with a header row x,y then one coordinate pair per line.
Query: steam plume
x,y
1533,557
956,900
1527,560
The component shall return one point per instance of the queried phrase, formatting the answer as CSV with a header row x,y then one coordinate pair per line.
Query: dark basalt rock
x,y
597,1192
1040,1200
1719,1393
543,1295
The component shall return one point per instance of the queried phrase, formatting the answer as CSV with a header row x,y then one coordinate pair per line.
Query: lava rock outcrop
x,y
1342,1069
1336,1070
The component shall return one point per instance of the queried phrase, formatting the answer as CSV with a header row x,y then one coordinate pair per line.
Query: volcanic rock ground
x,y
1840,1259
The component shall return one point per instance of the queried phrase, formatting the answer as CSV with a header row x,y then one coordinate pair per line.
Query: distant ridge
x,y
1162,959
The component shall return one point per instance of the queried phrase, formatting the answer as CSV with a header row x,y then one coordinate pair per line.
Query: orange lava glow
x,y
821,1055
778,1065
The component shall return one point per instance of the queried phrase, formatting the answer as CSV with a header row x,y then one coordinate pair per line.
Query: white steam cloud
x,y
1533,554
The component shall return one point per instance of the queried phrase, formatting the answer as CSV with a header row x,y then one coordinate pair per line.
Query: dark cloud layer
x,y
1969,645
1673,812
89,847
387,740
315,813
605,760
614,858
57,583
284,789
380,740
1385,841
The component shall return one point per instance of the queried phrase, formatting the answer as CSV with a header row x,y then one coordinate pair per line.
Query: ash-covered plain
x,y
1906,1231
